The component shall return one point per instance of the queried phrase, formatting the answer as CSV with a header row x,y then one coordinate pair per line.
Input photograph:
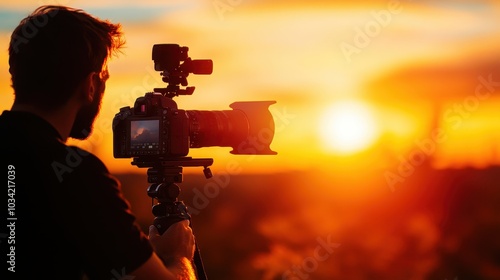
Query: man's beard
x,y
82,126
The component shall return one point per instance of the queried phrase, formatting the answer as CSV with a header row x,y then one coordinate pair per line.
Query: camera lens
x,y
248,128
217,128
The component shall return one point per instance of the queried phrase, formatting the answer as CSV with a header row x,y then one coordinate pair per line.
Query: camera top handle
x,y
167,59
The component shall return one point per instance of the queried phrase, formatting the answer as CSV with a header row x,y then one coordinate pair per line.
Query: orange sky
x,y
411,63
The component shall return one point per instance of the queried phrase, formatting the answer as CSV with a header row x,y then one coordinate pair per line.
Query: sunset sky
x,y
366,92
369,81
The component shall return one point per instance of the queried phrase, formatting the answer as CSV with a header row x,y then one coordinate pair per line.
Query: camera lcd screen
x,y
144,134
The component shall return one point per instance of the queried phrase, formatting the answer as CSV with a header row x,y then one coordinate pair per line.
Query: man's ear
x,y
90,87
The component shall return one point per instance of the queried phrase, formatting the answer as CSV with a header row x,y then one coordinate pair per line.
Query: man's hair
x,y
54,49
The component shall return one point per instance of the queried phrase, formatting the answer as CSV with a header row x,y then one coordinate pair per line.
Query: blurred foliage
x,y
438,224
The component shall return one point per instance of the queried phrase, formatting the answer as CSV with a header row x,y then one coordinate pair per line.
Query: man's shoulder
x,y
22,129
75,156
50,160
78,166
31,138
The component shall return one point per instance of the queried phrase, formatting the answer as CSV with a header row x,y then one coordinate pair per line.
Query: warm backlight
x,y
347,127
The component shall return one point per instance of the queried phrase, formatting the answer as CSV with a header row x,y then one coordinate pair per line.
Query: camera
x,y
155,128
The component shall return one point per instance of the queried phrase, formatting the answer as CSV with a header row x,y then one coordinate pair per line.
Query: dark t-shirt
x,y
66,216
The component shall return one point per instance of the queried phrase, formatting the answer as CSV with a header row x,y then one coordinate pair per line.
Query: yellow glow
x,y
347,127
292,53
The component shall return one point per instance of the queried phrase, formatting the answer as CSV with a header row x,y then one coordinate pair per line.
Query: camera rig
x,y
158,135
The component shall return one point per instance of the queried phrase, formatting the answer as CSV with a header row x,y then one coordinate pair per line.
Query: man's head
x,y
54,52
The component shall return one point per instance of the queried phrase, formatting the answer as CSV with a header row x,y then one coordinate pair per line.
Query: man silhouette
x,y
69,217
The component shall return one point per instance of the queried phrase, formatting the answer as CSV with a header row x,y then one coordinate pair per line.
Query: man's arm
x,y
174,251
154,269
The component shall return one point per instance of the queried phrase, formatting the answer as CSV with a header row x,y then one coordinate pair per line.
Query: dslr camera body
x,y
156,129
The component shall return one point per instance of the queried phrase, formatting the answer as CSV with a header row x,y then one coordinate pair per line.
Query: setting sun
x,y
347,127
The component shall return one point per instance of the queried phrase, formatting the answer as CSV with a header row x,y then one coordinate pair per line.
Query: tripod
x,y
163,176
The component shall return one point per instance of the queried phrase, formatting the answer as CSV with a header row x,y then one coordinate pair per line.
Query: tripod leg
x,y
198,264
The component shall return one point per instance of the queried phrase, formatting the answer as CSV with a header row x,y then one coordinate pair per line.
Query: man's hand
x,y
174,251
175,246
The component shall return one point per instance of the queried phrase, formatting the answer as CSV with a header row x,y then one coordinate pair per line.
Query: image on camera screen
x,y
144,135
